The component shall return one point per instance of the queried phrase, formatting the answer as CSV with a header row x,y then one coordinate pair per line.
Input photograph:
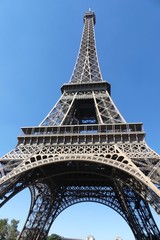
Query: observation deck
x,y
82,134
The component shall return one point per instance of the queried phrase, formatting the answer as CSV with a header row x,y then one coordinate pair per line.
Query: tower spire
x,y
87,67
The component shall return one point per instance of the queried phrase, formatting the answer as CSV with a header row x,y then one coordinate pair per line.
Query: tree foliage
x,y
54,237
3,228
8,231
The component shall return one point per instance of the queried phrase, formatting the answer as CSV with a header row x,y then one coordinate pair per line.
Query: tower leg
x,y
41,204
138,214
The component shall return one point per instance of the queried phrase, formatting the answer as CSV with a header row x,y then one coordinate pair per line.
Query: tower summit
x,y
87,67
84,151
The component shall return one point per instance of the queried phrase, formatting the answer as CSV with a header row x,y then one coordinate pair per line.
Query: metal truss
x,y
87,67
66,183
84,151
41,205
63,113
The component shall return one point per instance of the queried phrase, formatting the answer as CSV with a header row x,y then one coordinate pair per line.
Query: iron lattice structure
x,y
84,151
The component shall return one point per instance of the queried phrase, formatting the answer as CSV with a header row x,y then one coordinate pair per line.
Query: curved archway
x,y
76,178
114,159
83,219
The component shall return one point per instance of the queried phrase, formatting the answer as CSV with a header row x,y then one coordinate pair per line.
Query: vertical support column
x,y
138,214
46,204
41,202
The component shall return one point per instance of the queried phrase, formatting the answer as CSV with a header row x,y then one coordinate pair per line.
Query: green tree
x,y
54,237
8,231
3,228
13,230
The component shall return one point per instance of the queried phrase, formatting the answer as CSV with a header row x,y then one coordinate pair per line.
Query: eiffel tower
x,y
84,151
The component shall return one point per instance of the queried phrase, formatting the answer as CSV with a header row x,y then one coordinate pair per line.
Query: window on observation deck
x,y
85,111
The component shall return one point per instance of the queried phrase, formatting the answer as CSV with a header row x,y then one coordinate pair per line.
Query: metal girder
x,y
138,213
87,67
49,202
35,226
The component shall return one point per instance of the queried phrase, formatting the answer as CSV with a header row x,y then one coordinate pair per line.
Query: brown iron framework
x,y
84,151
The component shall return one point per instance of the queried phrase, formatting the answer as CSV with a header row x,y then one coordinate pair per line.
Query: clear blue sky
x,y
39,43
